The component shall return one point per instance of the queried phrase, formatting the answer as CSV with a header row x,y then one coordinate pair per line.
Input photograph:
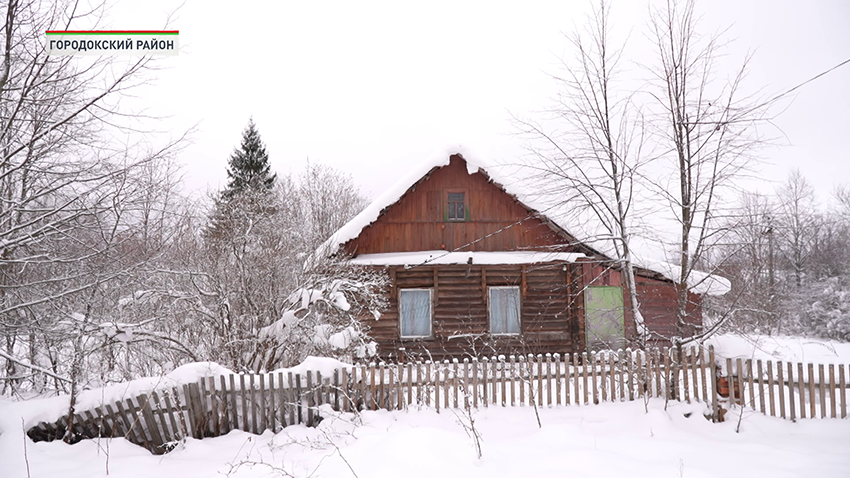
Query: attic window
x,y
456,206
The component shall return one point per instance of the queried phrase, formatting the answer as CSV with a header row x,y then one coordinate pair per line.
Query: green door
x,y
604,318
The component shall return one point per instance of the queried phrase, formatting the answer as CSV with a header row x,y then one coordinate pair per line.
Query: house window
x,y
504,310
415,307
456,206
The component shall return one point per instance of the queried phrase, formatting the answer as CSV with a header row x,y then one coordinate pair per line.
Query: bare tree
x,y
708,127
63,183
798,223
591,166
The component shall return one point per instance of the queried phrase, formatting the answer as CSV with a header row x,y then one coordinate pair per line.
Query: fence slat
x,y
167,435
822,381
802,390
752,389
761,386
842,387
812,398
832,410
770,390
593,362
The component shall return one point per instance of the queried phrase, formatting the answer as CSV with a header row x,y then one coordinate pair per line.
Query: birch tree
x,y
708,127
591,164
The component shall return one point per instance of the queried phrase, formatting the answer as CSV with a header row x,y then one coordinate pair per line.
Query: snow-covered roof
x,y
700,282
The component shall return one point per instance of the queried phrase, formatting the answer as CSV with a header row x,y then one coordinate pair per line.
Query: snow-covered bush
x,y
821,309
323,319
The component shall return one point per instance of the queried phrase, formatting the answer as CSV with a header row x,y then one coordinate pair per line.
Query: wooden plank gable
x,y
496,221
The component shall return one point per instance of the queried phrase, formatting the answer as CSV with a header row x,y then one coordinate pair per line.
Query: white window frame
x,y
490,290
430,313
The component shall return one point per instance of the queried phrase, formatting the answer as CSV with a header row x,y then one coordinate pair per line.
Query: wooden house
x,y
476,271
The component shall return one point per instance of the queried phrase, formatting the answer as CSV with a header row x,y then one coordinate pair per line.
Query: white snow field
x,y
634,439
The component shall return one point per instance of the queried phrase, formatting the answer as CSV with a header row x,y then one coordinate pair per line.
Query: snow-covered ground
x,y
633,439
621,439
787,349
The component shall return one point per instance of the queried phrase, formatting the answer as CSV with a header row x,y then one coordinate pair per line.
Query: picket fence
x,y
213,406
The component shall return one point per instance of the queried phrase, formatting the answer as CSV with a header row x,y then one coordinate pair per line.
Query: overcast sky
x,y
369,87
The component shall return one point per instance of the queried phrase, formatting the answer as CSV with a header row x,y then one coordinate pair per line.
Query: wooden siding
x,y
418,222
658,306
460,313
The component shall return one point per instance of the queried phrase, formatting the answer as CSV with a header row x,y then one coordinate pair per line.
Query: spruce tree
x,y
247,199
248,168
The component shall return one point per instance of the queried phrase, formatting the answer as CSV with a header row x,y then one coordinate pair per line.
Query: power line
x,y
788,92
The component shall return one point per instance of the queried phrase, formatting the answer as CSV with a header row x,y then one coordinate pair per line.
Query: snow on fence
x,y
256,402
